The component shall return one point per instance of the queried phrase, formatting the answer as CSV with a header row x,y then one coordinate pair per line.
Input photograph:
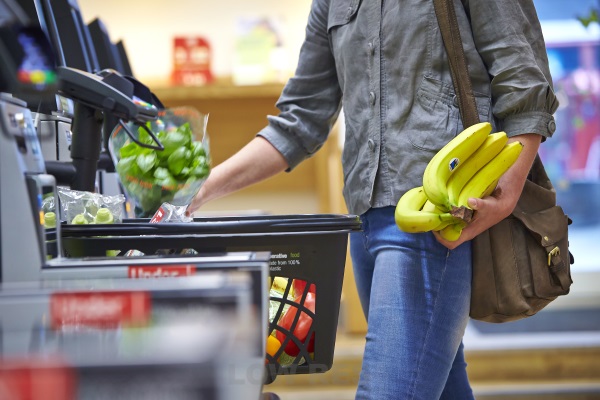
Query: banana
x,y
485,180
445,161
492,145
444,224
453,231
410,217
430,207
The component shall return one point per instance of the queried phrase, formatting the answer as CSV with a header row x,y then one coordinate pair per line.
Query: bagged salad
x,y
150,176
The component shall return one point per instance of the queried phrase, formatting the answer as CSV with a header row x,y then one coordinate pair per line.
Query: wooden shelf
x,y
222,88
237,113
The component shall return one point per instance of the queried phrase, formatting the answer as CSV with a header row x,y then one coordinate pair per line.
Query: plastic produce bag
x,y
79,207
48,203
150,176
170,213
167,213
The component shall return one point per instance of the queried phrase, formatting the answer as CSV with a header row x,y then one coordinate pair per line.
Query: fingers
x,y
448,244
192,207
486,213
482,210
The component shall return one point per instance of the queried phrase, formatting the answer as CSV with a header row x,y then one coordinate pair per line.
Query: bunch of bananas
x,y
470,165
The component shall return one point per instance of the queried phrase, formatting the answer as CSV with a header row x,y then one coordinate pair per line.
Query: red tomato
x,y
301,329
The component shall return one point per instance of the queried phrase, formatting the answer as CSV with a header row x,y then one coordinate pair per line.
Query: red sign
x,y
161,271
104,310
191,61
36,379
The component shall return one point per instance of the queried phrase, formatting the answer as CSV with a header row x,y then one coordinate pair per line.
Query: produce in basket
x,y
301,329
81,207
151,176
79,220
300,286
272,346
276,293
104,216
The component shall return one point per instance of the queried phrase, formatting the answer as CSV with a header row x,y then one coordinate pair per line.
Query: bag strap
x,y
446,16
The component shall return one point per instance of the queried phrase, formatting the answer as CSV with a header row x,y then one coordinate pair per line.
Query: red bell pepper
x,y
300,331
300,285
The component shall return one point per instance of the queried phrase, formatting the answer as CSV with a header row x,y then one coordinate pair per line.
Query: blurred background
x,y
239,55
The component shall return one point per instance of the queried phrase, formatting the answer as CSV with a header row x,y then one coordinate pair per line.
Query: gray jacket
x,y
384,62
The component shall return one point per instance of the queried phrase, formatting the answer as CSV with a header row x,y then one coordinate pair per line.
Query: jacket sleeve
x,y
508,36
311,99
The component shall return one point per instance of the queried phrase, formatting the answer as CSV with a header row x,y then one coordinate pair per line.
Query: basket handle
x,y
159,146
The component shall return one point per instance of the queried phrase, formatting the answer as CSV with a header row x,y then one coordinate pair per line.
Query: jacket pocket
x,y
341,12
435,118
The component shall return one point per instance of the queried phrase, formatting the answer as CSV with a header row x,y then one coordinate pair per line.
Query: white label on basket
x,y
279,255
279,260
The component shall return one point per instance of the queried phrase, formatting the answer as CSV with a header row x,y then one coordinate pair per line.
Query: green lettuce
x,y
152,177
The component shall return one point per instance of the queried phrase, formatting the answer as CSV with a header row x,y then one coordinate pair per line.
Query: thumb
x,y
474,203
478,204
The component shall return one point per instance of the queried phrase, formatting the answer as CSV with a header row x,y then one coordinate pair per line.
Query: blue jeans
x,y
415,294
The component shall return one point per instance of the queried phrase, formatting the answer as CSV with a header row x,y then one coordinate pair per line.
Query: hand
x,y
195,204
487,212
492,209
255,162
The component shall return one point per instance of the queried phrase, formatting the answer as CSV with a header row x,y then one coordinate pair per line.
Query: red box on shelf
x,y
191,61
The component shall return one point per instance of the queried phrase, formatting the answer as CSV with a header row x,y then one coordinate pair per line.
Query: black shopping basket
x,y
308,256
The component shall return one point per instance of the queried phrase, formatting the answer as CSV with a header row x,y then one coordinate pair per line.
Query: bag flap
x,y
548,226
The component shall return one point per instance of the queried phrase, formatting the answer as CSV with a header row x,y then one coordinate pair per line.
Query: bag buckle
x,y
554,252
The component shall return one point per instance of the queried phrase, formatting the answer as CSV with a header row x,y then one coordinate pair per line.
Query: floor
x,y
553,328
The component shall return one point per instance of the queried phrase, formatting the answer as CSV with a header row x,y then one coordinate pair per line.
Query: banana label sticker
x,y
453,164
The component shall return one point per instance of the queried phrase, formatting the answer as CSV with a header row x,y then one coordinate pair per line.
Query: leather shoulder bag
x,y
522,263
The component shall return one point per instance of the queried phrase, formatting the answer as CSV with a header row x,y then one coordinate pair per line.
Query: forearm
x,y
255,162
511,183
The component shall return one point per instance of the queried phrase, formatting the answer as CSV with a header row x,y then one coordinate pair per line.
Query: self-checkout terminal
x,y
31,251
27,69
74,137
